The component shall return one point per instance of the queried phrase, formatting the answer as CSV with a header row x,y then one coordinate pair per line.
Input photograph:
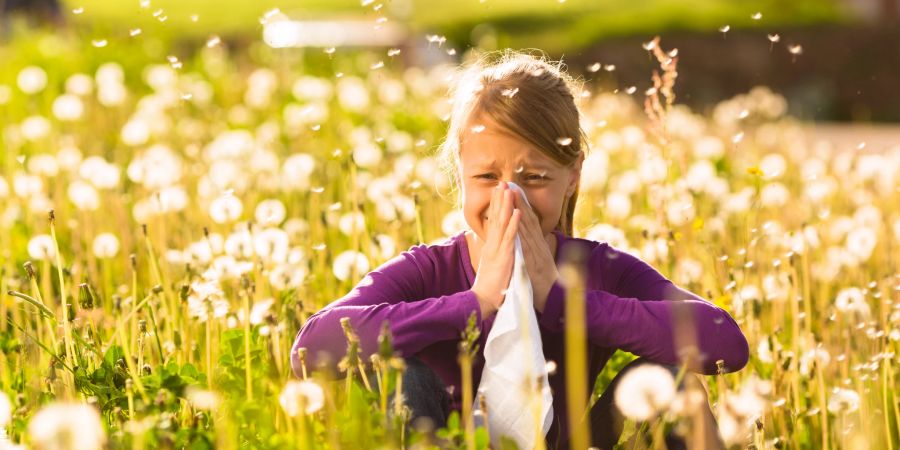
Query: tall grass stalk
x,y
576,349
67,327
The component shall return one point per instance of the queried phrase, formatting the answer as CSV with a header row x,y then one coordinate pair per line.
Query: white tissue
x,y
515,364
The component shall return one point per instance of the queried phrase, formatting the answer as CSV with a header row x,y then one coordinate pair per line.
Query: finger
x,y
492,209
509,236
506,208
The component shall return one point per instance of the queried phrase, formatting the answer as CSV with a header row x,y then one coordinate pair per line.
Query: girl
x,y
516,120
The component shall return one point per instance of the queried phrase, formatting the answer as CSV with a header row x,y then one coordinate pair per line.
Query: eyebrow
x,y
527,165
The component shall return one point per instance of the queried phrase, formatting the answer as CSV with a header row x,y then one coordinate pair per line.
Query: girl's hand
x,y
538,257
498,252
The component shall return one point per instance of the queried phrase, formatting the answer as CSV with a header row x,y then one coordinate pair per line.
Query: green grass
x,y
546,24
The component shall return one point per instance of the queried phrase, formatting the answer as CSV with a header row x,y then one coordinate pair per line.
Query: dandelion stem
x,y
576,351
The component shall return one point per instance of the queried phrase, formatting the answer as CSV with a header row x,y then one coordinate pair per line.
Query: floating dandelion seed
x,y
194,18
756,16
650,91
393,52
420,143
319,247
609,67
451,51
478,128
649,46
743,114
434,38
795,49
78,10
631,90
377,65
329,51
187,96
520,169
99,43
213,41
378,7
737,137
564,141
157,13
316,127
318,190
134,32
365,3
145,3
724,29
595,67
509,93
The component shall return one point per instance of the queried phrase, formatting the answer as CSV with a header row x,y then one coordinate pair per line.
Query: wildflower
x,y
353,94
32,79
106,245
843,401
304,396
454,222
352,222
595,170
347,261
202,398
271,244
367,155
296,170
35,127
286,276
99,172
79,84
73,426
645,391
861,242
851,300
206,299
310,88
607,233
270,212
68,107
84,196
41,247
225,209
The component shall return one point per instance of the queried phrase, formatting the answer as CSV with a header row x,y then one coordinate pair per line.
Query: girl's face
x,y
489,155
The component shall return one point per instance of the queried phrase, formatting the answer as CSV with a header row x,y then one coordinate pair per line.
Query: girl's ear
x,y
575,175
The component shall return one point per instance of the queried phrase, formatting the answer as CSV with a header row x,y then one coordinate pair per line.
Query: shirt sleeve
x,y
638,312
393,292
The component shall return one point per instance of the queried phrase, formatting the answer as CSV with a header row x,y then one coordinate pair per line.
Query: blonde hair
x,y
529,97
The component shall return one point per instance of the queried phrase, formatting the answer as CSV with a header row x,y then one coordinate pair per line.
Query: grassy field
x,y
147,312
548,24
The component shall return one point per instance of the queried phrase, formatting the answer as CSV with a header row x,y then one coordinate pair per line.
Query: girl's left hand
x,y
538,257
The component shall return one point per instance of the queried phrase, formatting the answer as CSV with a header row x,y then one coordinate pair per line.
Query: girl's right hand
x,y
498,252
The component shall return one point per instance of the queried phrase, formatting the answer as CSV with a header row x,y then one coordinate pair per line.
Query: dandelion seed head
x,y
67,425
303,396
595,67
756,16
773,38
225,208
795,49
32,79
724,28
645,391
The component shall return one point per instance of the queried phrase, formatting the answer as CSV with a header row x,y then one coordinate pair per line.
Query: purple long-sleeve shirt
x,y
424,293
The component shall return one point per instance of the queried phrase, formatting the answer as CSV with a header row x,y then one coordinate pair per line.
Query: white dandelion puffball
x,y
32,80
346,261
79,84
202,398
645,391
41,247
225,209
68,107
843,400
353,94
861,242
618,205
270,212
99,172
84,196
271,244
453,223
34,128
306,394
73,426
106,245
352,222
